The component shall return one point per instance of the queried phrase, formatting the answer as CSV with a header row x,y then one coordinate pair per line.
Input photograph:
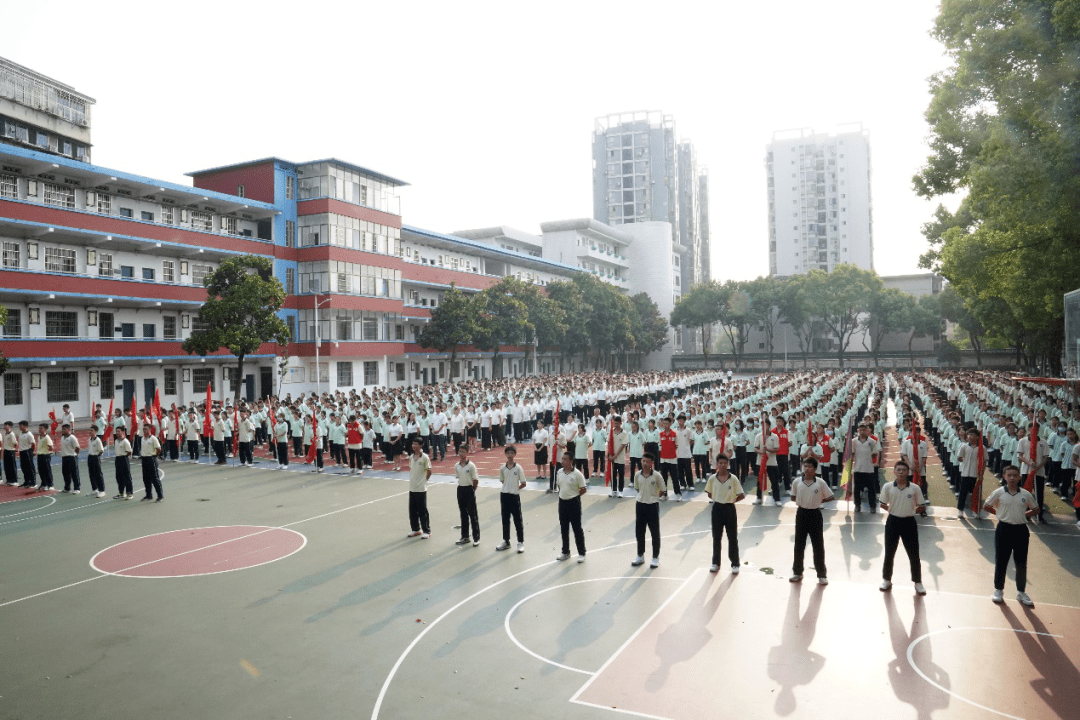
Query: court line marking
x,y
50,498
58,512
609,708
916,641
506,621
102,575
631,639
120,573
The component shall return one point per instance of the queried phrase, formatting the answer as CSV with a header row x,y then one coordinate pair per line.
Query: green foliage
x,y
502,318
647,326
839,297
1005,128
240,312
700,307
452,324
887,311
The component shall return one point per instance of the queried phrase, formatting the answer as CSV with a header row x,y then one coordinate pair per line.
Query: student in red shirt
x,y
355,441
669,461
782,465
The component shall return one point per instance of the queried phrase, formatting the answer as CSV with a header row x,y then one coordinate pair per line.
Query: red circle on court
x,y
198,551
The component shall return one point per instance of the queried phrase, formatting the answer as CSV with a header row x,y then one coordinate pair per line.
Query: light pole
x,y
318,343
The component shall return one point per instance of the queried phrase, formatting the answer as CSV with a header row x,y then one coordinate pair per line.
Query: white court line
x,y
506,621
103,574
58,512
50,498
630,639
916,641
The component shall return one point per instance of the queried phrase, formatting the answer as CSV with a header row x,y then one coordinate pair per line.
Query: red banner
x,y
1033,448
107,434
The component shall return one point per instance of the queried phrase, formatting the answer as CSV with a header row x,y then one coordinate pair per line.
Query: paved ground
x,y
319,606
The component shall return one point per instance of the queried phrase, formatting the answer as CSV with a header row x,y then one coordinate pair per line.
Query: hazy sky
x,y
487,108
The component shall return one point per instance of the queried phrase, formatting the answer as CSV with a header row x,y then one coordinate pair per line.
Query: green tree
x,y
240,312
569,299
502,319
765,296
888,311
700,307
1005,129
606,312
736,315
839,298
452,324
648,327
796,309
925,321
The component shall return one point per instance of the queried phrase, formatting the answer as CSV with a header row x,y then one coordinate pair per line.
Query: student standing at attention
x,y
810,492
902,500
148,452
724,490
571,487
1013,505
122,464
468,481
649,484
419,474
512,478
95,448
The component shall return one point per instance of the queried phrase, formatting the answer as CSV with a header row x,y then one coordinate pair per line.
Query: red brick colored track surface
x,y
198,551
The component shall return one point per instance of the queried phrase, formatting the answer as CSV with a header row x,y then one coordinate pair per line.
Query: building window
x,y
104,203
399,332
290,281
290,187
146,216
127,330
169,382
201,377
149,331
202,221
148,273
9,187
61,324
12,388
239,191
12,251
105,264
370,329
290,233
59,196
106,329
371,372
290,321
199,273
228,225
13,324
399,371
166,215
107,383
168,330
168,271
62,386
344,374
344,329
127,212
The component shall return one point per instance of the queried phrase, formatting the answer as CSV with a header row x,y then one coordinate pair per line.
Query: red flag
x,y
108,425
916,475
610,453
1029,484
555,434
848,478
763,473
134,418
235,431
208,424
314,437
723,439
52,416
976,493
155,408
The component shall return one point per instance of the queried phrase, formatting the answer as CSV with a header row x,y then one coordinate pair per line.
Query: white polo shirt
x,y
511,478
813,495
1011,507
902,502
466,474
570,484
723,491
864,450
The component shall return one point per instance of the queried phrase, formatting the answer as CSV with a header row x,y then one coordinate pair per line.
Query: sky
x,y
487,109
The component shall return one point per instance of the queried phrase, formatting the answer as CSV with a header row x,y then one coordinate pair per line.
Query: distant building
x,y
820,211
40,113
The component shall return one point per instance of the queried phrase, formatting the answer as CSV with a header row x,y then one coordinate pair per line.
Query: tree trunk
x,y
704,347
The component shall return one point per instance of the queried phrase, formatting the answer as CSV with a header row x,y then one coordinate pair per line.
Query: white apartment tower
x,y
820,213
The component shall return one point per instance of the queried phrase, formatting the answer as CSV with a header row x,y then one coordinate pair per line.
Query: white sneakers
x,y
998,596
1024,599
919,589
563,556
580,558
414,533
425,536
714,568
795,578
654,563
734,569
823,581
637,561
886,586
521,547
504,545
757,501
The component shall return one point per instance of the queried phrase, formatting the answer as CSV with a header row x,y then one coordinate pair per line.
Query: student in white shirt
x,y
468,481
648,484
419,474
810,492
149,449
1013,505
69,460
724,489
540,449
95,448
902,500
122,463
512,478
572,486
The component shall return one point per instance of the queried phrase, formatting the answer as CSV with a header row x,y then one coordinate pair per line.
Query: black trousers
x,y
582,464
967,484
69,468
552,469
672,469
97,479
686,472
902,529
283,453
466,502
44,468
742,462
635,465
511,509
701,467
618,478
773,471
297,445
122,467
418,513
11,475
1010,540
570,517
355,463
485,438
150,478
784,468
597,461
219,450
809,523
193,450
457,438
647,516
724,520
866,481
173,446
26,461
244,449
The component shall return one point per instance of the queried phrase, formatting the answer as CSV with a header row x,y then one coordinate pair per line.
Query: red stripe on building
x,y
258,182
58,282
320,206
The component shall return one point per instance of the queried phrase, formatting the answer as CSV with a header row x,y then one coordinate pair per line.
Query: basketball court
x,y
258,593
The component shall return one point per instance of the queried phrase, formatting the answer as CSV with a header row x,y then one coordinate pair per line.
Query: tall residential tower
x,y
820,214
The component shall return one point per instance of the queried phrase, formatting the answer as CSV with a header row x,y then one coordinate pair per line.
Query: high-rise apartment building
x,y
820,212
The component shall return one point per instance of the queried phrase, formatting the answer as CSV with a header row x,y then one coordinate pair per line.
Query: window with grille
x,y
12,255
149,331
342,283
169,382
105,264
290,281
371,372
168,271
62,386
59,195
202,221
399,371
370,329
12,388
290,322
344,329
104,204
399,332
61,324
13,324
59,260
290,185
9,187
199,273
198,326
199,379
106,328
344,374
324,371
290,233
107,383
166,215
169,330
228,225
